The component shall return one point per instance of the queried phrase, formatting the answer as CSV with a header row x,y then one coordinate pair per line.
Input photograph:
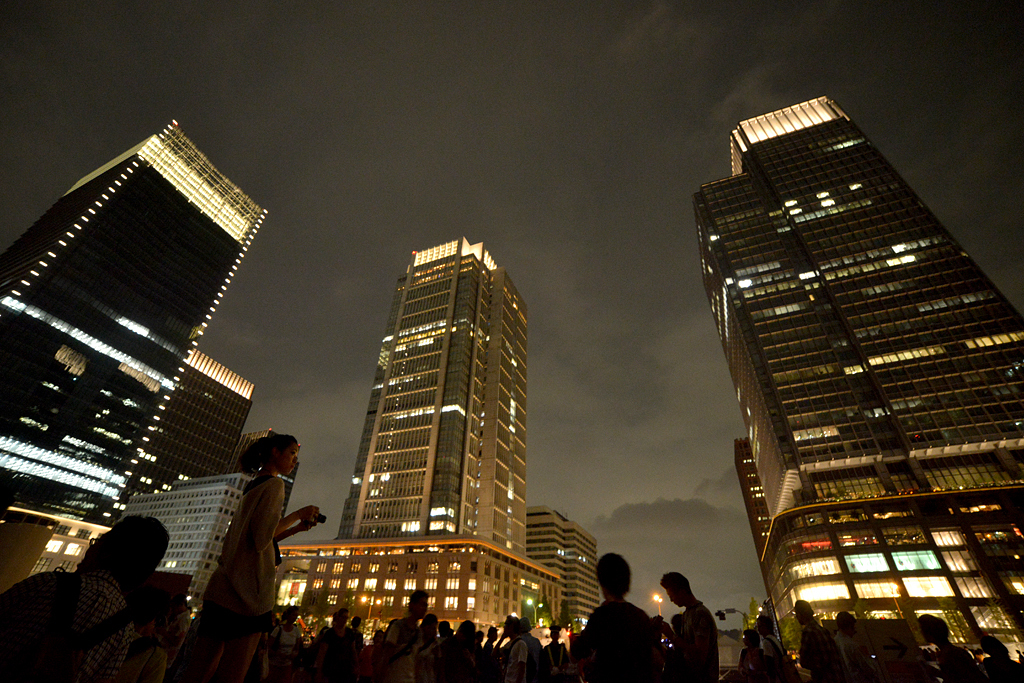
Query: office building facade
x,y
561,544
101,301
879,374
200,426
443,448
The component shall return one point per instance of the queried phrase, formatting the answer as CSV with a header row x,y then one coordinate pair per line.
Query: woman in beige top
x,y
238,603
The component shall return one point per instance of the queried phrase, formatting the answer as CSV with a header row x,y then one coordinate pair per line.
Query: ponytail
x,y
258,454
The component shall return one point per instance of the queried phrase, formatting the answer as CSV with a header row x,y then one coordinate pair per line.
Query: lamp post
x,y
658,599
529,601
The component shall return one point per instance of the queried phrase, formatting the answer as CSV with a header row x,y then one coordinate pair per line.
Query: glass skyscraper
x,y
880,375
443,449
101,301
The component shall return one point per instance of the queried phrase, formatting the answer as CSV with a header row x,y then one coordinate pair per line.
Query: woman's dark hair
x,y
753,636
258,454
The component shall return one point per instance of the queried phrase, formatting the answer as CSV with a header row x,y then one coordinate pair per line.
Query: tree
x,y
563,614
860,609
750,618
790,632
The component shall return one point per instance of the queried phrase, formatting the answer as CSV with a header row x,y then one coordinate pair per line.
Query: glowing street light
x,y
658,599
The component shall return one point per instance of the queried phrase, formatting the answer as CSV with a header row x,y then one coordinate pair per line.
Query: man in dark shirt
x,y
698,641
555,664
618,636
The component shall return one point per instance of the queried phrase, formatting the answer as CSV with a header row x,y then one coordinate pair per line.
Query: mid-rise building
x,y
443,448
566,547
196,513
466,577
101,301
200,427
879,373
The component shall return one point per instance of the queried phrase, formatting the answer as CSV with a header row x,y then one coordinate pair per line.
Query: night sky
x,y
568,137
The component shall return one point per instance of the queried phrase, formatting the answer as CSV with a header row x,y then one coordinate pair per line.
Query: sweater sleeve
x,y
267,513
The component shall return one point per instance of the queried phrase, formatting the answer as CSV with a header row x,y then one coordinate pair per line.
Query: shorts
x,y
220,623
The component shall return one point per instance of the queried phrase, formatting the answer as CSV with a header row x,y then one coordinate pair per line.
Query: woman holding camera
x,y
238,603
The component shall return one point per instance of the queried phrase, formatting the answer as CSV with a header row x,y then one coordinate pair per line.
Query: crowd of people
x,y
101,624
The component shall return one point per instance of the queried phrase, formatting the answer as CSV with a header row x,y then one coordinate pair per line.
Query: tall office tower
x,y
101,301
443,449
199,430
879,372
753,493
563,545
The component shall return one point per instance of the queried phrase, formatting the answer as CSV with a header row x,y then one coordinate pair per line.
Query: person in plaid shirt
x,y
819,653
119,562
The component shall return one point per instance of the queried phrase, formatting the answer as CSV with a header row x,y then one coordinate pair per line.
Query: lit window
x,y
353,583
948,538
877,589
823,591
430,585
472,585
390,584
927,586
54,546
410,584
453,584
972,587
470,603
451,602
369,584
918,559
870,562
959,561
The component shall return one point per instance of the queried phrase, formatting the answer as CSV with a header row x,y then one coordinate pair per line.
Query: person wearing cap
x,y
859,668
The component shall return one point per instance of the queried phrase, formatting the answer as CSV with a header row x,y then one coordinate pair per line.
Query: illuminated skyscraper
x,y
199,429
443,450
879,372
101,300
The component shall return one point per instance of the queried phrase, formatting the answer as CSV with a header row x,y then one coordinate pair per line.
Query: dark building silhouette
x,y
443,450
753,493
879,372
101,301
198,432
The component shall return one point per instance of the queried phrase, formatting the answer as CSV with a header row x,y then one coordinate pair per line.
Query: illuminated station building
x,y
438,496
101,301
879,373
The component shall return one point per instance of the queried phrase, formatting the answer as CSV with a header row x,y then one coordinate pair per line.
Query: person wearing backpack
x,y
781,668
70,627
285,645
395,660
239,600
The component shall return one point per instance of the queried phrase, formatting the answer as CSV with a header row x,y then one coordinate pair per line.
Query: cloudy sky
x,y
568,137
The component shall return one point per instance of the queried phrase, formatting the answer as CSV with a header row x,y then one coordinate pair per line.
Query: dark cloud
x,y
691,536
569,138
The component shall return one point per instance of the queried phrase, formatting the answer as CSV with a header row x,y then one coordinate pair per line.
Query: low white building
x,y
197,513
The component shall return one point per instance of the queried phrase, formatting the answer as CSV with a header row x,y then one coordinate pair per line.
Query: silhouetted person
x,y
458,658
518,654
534,647
955,664
998,665
619,635
90,600
818,651
487,661
239,600
172,635
859,668
556,666
337,655
698,641
774,652
146,660
396,662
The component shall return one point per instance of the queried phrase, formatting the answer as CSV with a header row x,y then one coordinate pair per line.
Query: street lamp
x,y
529,601
658,599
